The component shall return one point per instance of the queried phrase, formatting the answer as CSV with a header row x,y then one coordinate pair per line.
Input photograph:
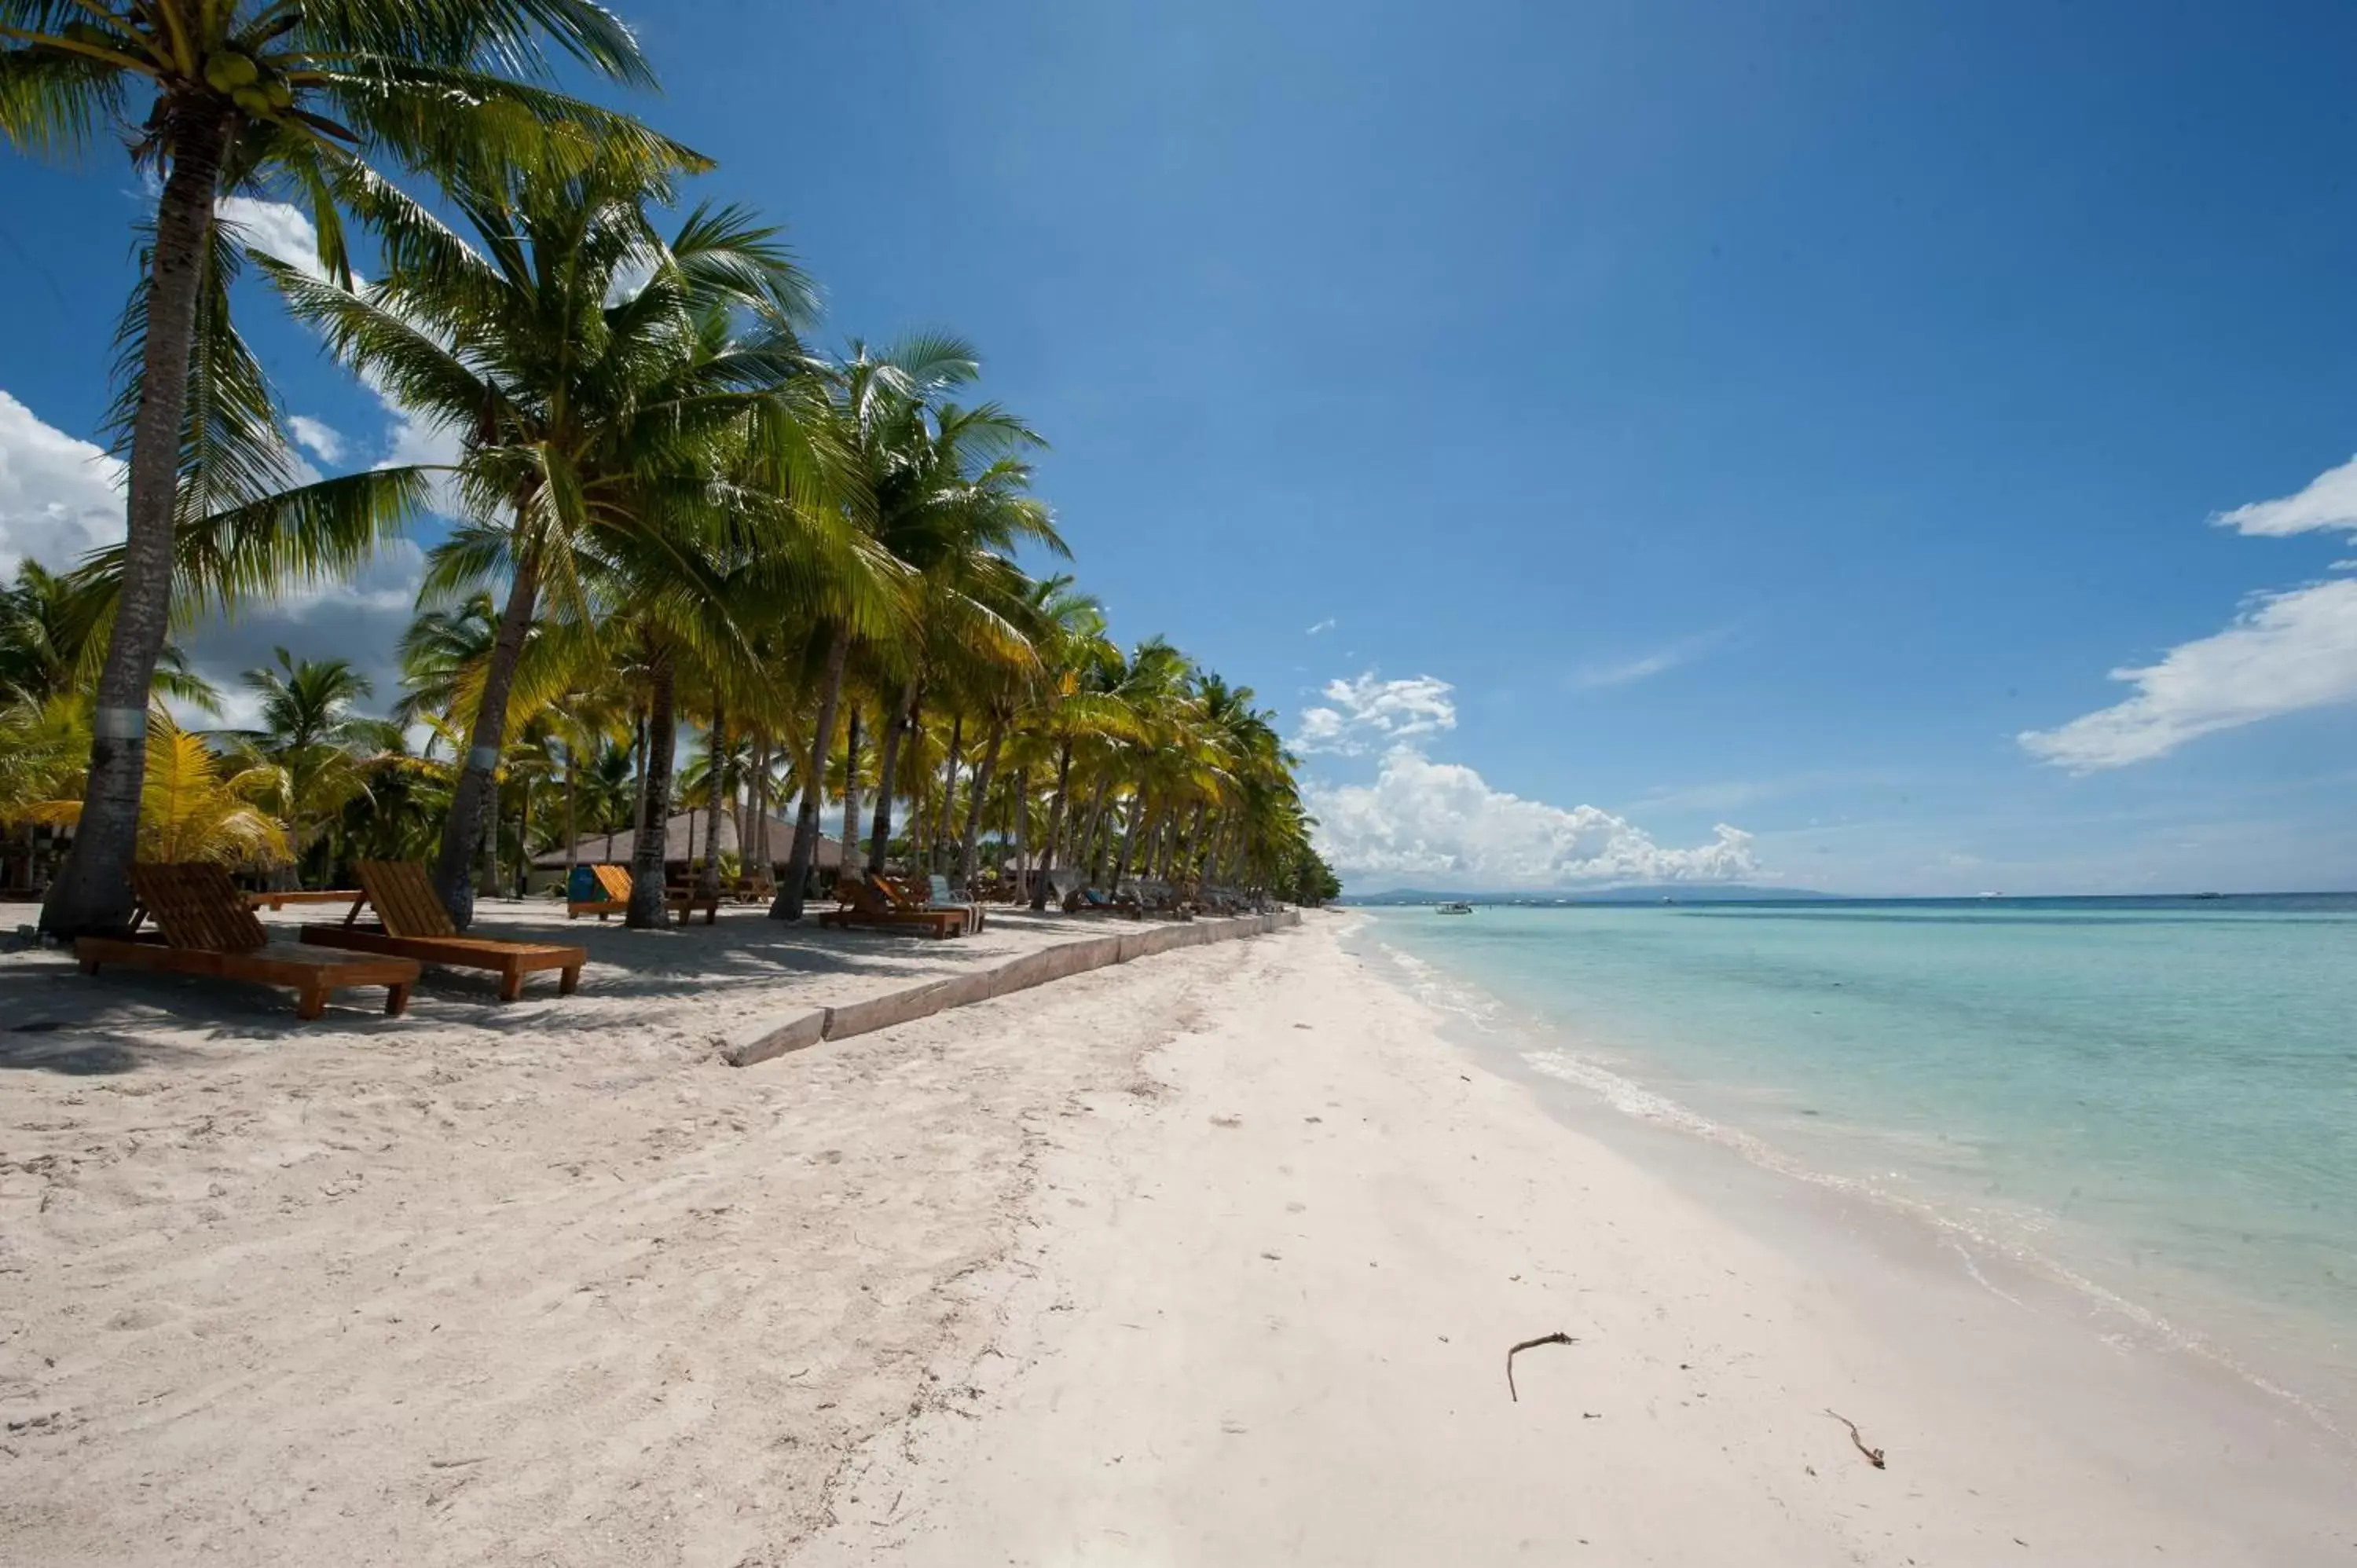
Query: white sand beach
x,y
1209,1258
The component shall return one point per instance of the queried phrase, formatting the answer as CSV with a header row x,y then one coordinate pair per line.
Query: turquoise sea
x,y
2153,1100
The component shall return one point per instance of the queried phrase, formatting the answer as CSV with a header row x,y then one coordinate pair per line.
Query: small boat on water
x,y
1457,907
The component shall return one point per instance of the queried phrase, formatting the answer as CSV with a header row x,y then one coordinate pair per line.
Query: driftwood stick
x,y
1556,1338
1873,1456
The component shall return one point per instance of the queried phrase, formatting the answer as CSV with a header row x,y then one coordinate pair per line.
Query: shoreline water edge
x,y
1717,1140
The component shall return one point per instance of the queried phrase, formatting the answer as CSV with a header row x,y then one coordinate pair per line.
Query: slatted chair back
x,y
403,899
614,881
856,893
195,905
899,890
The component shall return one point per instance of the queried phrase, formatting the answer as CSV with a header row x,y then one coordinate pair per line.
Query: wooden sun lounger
x,y
279,898
206,929
412,924
907,897
614,881
864,907
1089,901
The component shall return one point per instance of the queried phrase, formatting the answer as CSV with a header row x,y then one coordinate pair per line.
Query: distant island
x,y
1677,892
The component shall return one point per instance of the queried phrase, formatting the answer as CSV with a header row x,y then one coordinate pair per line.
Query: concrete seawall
x,y
776,1037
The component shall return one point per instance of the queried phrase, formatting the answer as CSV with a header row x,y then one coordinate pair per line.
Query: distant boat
x,y
1456,908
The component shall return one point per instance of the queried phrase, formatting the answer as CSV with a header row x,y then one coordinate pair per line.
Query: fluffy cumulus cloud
x,y
275,229
317,436
2286,653
1423,820
61,496
1367,714
2328,505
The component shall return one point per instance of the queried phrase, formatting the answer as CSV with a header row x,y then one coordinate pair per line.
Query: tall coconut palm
x,y
257,97
585,356
952,506
882,401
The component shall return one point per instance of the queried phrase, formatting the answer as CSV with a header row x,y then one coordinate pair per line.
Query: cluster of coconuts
x,y
256,92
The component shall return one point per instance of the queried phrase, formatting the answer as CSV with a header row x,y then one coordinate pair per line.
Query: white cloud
x,y
61,496
1423,820
2285,652
1328,624
277,230
358,621
321,439
1367,712
2328,505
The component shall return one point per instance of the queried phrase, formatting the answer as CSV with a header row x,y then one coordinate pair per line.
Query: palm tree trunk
x,y
787,904
709,883
1021,794
948,811
977,791
92,890
488,846
646,903
638,765
572,850
523,843
888,762
1055,826
851,787
1091,851
476,792
757,830
1129,838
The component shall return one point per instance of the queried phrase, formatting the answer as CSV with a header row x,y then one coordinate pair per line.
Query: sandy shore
x,y
1211,1258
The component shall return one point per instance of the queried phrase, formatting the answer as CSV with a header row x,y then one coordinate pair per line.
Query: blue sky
x,y
1676,416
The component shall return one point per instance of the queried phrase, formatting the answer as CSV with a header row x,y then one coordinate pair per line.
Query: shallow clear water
x,y
2157,1097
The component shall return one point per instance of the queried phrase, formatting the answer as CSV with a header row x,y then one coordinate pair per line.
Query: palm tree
x,y
256,97
321,749
952,507
189,809
881,400
1073,700
47,648
1052,615
588,360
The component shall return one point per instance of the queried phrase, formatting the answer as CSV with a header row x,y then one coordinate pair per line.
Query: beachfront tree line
x,y
670,513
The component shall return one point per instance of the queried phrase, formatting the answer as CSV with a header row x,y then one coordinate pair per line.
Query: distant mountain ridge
x,y
1677,892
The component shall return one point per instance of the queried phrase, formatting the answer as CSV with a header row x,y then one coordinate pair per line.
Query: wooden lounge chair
x,y
1090,901
278,898
911,896
205,929
412,924
869,908
614,882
